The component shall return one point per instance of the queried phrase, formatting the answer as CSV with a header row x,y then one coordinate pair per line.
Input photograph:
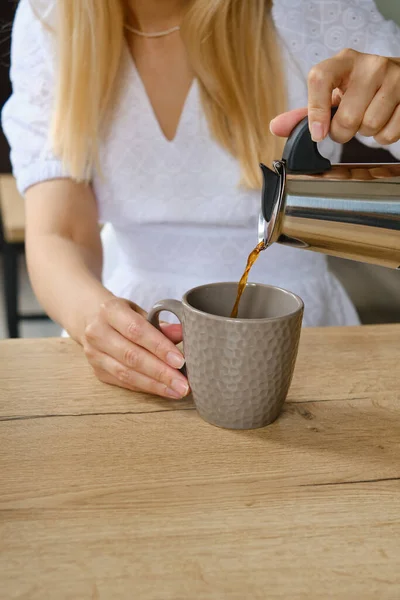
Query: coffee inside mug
x,y
258,301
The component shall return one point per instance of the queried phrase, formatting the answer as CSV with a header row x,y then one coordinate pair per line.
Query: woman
x,y
163,106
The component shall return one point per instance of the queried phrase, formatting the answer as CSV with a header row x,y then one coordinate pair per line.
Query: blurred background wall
x,y
390,8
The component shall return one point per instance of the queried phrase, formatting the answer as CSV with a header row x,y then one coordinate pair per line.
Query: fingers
x,y
381,117
364,104
339,173
125,350
337,96
133,360
359,77
381,172
367,89
370,99
137,308
136,329
378,113
283,124
173,332
323,80
349,116
361,174
110,371
391,132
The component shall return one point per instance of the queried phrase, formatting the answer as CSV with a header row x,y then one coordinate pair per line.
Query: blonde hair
x,y
233,49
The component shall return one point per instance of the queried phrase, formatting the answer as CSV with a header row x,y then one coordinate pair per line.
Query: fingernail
x,y
175,360
317,132
180,387
172,394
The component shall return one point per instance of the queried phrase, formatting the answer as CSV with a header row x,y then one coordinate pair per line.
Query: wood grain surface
x,y
107,494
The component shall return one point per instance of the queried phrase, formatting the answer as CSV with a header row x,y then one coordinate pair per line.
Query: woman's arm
x,y
65,262
64,252
63,241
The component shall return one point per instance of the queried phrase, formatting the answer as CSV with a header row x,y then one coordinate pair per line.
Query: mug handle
x,y
173,306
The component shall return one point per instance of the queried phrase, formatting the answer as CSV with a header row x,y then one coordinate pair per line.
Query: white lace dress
x,y
175,216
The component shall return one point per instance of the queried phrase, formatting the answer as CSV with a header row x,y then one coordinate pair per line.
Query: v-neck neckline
x,y
154,119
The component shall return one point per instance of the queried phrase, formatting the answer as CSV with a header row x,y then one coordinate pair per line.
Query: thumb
x,y
283,125
172,332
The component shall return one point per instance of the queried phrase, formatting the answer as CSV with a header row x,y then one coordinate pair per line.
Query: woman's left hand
x,y
367,89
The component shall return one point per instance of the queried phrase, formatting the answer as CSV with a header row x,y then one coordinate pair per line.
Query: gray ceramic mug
x,y
239,370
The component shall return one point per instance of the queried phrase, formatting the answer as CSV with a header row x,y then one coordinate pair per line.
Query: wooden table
x,y
111,495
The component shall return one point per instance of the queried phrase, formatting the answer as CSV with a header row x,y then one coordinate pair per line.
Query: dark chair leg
x,y
11,288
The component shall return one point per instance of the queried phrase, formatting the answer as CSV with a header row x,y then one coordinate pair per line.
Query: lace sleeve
x,y
315,30
26,115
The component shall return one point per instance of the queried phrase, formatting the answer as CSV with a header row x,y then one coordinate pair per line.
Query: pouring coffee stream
x,y
243,281
350,211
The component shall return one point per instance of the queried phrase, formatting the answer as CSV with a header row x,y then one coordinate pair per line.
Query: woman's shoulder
x,y
34,15
32,33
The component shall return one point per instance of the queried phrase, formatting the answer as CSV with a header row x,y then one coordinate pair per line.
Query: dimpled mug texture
x,y
239,370
240,375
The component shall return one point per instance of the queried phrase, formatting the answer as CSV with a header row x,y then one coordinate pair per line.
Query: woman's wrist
x,y
89,307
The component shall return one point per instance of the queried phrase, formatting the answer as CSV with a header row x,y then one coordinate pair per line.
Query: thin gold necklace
x,y
155,34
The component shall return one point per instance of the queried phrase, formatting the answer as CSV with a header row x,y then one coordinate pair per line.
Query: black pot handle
x,y
301,153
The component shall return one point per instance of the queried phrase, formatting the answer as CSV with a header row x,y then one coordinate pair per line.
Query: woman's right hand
x,y
125,350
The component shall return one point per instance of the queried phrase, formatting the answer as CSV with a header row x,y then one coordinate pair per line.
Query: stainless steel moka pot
x,y
346,210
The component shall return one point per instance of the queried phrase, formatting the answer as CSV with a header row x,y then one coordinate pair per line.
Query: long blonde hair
x,y
233,49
